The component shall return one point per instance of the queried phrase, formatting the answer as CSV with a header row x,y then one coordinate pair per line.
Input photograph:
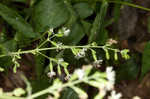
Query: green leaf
x,y
69,93
116,11
75,35
98,32
87,27
39,62
5,48
42,83
145,60
129,70
16,21
49,14
83,10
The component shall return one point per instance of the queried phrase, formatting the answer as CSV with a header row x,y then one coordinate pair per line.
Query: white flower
x,y
81,54
114,95
51,74
98,63
51,30
110,74
109,85
66,31
60,60
103,89
80,73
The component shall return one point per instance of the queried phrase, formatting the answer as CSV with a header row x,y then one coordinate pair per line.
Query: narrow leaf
x,y
16,21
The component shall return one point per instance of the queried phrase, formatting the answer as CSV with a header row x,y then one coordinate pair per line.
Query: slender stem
x,y
49,90
39,93
121,2
42,44
52,89
44,55
130,4
54,48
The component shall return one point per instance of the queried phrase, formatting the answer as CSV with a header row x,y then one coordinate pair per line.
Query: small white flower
x,y
110,74
98,63
66,31
114,95
60,60
81,54
51,30
80,73
84,49
59,44
103,90
109,85
51,74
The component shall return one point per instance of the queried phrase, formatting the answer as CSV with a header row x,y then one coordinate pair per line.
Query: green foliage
x,y
76,31
59,33
145,60
83,10
97,31
128,70
17,22
49,14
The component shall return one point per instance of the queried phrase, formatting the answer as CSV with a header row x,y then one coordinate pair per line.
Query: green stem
x,y
120,2
54,48
130,4
42,44
51,90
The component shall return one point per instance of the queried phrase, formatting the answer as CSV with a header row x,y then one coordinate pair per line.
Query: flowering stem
x,y
54,48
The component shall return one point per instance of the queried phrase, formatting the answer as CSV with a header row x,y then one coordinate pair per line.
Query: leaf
x,y
39,62
49,14
42,83
97,30
75,35
129,70
5,48
69,93
83,10
87,27
116,11
145,60
16,21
